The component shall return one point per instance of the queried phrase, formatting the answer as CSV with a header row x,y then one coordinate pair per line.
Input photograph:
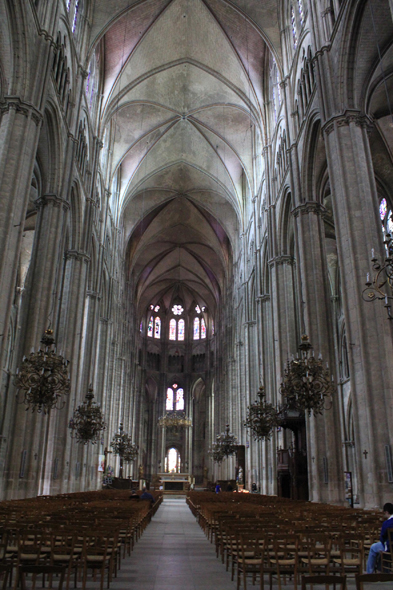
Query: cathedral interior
x,y
187,189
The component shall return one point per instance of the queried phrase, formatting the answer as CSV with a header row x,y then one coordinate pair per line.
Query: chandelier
x,y
174,421
87,422
123,446
307,384
43,377
226,444
262,417
383,276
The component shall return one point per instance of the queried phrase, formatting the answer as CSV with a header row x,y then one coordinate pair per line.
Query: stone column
x,y
19,132
358,229
31,432
325,470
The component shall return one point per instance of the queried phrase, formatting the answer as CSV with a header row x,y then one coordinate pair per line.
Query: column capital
x,y
76,255
19,106
345,119
53,199
284,259
93,294
309,207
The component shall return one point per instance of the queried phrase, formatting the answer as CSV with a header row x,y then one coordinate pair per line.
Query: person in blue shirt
x,y
146,496
218,488
383,543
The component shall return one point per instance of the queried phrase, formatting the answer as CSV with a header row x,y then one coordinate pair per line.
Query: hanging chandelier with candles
x,y
383,277
123,446
87,422
262,417
226,444
308,385
174,420
43,377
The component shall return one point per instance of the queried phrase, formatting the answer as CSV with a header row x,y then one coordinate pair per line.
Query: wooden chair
x,y
351,558
372,579
250,558
327,580
43,569
5,571
317,559
387,556
98,554
285,559
63,554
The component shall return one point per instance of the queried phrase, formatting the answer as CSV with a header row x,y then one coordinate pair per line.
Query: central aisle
x,y
173,554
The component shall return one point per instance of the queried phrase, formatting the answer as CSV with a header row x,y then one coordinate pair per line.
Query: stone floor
x,y
174,554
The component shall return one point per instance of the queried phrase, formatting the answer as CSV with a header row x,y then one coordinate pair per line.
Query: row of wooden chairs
x,y
89,536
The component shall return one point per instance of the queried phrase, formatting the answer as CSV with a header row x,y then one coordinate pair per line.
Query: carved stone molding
x,y
51,199
309,207
93,294
345,119
284,259
24,108
263,297
76,255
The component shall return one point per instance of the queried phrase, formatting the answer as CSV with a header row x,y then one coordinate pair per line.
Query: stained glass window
x,y
196,328
141,326
68,5
177,310
75,16
383,209
172,329
180,330
180,399
157,308
278,85
173,460
157,328
390,223
198,309
301,12
293,23
203,328
150,327
169,400
212,328
152,307
274,105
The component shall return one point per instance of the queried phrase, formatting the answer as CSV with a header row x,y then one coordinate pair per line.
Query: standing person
x,y
383,543
218,488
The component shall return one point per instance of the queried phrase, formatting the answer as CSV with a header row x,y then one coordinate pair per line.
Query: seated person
x,y
146,495
383,543
134,495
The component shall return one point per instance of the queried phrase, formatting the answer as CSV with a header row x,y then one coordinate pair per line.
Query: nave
x,y
173,554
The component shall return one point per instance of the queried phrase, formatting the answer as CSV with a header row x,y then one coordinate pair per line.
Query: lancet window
x,y
174,398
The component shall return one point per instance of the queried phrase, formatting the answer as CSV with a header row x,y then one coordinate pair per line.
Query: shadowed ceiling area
x,y
183,103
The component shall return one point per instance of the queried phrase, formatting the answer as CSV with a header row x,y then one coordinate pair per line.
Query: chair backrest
x,y
327,580
5,569
371,579
35,570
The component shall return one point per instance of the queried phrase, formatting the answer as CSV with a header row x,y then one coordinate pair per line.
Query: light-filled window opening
x,y
169,400
180,330
196,329
172,329
203,328
150,327
180,399
157,328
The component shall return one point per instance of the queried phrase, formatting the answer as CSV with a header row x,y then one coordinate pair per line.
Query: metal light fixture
x,y
383,277
226,444
174,421
123,446
87,422
43,377
307,384
262,417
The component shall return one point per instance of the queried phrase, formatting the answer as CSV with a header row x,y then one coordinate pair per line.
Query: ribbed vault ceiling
x,y
183,98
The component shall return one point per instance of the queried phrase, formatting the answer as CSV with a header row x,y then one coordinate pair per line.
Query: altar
x,y
175,482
